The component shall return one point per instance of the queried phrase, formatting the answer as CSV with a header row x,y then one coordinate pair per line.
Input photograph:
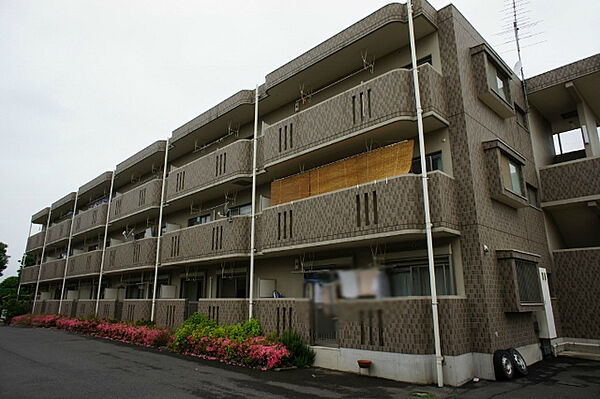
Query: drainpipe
x,y
37,284
110,195
252,223
23,259
434,303
160,216
62,291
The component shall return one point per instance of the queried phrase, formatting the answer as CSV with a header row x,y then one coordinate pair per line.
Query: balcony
x,y
85,264
29,274
385,99
90,220
35,242
218,239
53,270
226,164
574,180
386,208
138,254
138,200
59,232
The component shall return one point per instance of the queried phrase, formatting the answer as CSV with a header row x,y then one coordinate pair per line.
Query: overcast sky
x,y
85,84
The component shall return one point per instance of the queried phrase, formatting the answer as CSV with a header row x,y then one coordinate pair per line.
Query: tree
x,y
3,257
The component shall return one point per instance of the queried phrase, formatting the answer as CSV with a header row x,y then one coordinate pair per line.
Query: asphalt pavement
x,y
46,363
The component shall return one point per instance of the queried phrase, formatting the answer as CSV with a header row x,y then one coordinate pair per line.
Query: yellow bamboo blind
x,y
391,160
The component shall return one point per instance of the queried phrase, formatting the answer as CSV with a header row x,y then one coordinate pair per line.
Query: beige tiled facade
x,y
110,234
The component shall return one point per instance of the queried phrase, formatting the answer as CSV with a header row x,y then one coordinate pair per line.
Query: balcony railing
x,y
220,238
29,274
136,200
53,270
59,232
217,167
36,241
384,208
386,97
90,219
568,180
84,264
131,255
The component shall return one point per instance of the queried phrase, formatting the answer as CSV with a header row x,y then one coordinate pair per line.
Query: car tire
x,y
518,362
503,365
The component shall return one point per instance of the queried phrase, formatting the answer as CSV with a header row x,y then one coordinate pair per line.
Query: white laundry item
x,y
349,283
381,285
317,293
366,278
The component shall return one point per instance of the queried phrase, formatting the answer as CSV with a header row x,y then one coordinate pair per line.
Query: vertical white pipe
x,y
62,291
434,303
252,223
37,284
159,236
110,194
23,259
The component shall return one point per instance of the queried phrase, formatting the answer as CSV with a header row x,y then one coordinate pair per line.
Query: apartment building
x,y
340,246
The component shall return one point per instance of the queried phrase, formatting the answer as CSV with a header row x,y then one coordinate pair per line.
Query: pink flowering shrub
x,y
21,321
44,321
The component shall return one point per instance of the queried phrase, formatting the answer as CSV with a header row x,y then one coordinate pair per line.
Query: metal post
x,y
62,291
252,223
434,303
110,194
37,284
159,236
23,259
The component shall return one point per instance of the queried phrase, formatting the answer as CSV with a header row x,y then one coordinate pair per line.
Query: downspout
x,y
37,284
434,303
160,216
62,291
110,195
252,223
23,259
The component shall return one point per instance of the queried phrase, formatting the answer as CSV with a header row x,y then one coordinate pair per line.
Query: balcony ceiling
x,y
579,223
548,94
94,189
63,205
40,217
144,162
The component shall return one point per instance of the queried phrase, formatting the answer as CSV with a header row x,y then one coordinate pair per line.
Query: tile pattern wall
x,y
58,232
35,242
53,269
277,315
138,199
402,325
133,254
109,309
564,74
219,238
84,264
68,307
577,283
384,97
225,311
90,219
85,308
136,309
570,180
29,274
398,206
51,306
170,313
217,167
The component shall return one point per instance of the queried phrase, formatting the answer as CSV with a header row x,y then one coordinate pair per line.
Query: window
x,y
521,117
532,196
432,161
411,277
528,282
501,85
199,220
241,210
231,286
511,175
569,141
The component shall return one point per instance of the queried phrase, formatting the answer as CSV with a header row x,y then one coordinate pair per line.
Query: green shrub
x,y
301,355
144,323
